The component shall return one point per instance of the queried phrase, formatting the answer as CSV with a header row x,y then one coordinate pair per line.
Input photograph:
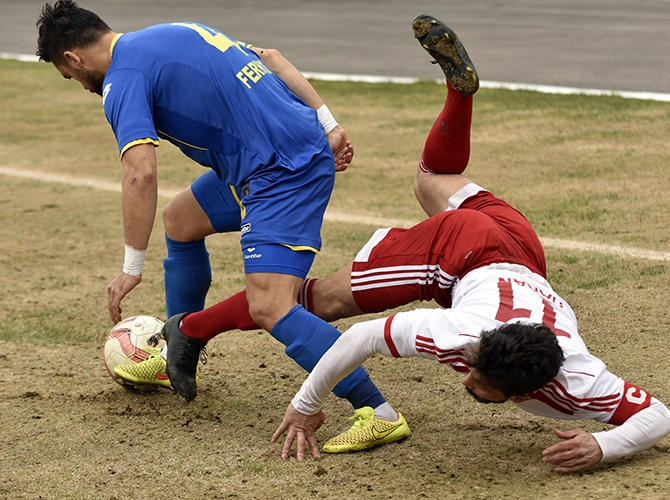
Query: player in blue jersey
x,y
218,101
210,206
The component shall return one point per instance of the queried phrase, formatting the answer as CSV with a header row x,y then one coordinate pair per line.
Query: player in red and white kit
x,y
503,325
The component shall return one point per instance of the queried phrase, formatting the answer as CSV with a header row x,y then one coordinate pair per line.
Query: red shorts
x,y
399,266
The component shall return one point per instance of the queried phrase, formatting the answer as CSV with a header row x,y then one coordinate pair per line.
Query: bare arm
x,y
285,70
139,201
140,194
300,86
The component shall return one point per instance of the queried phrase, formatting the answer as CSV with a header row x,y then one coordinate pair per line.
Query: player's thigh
x,y
184,219
522,242
394,268
206,207
220,201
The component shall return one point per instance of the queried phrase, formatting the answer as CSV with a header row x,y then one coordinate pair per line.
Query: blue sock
x,y
307,338
187,276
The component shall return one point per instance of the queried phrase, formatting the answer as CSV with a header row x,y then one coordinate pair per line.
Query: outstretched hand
x,y
343,150
579,451
117,290
300,427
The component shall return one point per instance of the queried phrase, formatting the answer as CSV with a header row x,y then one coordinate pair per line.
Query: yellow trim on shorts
x,y
300,248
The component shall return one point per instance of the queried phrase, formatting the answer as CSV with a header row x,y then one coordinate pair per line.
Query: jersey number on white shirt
x,y
506,311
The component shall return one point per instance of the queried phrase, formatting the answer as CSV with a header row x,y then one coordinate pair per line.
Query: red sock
x,y
447,148
230,314
305,295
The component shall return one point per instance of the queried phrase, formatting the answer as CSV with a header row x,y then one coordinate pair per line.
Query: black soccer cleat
x,y
183,354
448,51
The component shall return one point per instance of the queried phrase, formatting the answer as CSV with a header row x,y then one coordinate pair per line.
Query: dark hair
x,y
517,358
66,26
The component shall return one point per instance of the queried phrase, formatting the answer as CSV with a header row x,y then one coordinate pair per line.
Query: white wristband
x,y
133,262
326,118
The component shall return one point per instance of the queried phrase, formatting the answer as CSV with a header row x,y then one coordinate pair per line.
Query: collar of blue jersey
x,y
114,40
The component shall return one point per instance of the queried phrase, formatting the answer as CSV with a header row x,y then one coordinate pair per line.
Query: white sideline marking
x,y
544,89
634,253
19,57
73,181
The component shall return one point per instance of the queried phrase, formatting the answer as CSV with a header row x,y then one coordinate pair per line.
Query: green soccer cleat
x,y
368,432
148,372
448,51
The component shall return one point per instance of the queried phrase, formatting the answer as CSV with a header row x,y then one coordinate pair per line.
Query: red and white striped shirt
x,y
483,300
502,293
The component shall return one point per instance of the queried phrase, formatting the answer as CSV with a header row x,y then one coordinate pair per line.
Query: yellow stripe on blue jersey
x,y
139,141
174,139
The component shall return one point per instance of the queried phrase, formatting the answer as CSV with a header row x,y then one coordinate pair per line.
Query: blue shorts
x,y
220,201
277,259
286,207
279,207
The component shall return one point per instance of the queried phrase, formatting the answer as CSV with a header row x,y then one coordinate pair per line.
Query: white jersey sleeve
x,y
640,431
352,348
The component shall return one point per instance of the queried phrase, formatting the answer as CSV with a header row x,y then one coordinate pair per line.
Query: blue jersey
x,y
212,97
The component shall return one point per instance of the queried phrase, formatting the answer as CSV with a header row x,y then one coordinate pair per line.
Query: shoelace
x,y
189,353
203,355
194,352
155,339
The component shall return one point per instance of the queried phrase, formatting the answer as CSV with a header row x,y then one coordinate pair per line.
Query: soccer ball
x,y
128,340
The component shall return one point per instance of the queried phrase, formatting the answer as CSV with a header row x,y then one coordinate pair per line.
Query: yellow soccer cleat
x,y
149,372
368,432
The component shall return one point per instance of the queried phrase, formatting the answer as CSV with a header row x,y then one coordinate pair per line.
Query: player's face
x,y
91,80
479,389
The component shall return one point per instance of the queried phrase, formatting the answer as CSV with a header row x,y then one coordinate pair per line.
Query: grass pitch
x,y
590,169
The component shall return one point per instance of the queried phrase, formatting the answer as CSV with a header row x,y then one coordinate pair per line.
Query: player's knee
x,y
264,310
422,185
170,222
433,190
256,311
181,223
